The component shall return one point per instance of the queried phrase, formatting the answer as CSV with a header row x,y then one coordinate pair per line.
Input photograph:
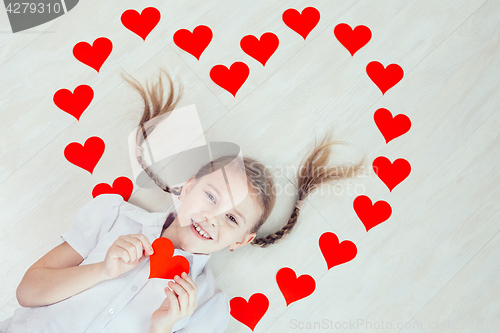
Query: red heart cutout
x,y
249,313
371,215
230,79
294,288
391,173
162,264
390,127
93,55
261,50
86,156
336,253
141,24
193,43
121,185
74,103
384,78
301,23
351,39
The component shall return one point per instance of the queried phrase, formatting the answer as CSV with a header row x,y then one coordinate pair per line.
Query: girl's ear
x,y
247,239
188,185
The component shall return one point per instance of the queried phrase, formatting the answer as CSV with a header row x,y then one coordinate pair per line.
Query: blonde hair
x,y
312,172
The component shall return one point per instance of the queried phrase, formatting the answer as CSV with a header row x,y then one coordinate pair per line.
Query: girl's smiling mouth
x,y
199,231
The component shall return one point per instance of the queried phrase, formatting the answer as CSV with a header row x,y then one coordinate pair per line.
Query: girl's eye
x,y
212,198
234,220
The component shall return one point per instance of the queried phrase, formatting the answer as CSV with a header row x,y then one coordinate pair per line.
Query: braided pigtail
x,y
311,174
150,116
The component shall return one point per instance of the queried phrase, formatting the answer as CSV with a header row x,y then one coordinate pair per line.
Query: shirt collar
x,y
152,226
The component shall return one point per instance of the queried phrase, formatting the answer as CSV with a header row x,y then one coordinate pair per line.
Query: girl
x,y
97,279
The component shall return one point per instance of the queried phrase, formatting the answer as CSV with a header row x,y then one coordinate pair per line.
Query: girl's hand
x,y
176,305
125,254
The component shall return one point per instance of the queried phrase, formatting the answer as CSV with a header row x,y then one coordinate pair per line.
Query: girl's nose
x,y
213,222
209,225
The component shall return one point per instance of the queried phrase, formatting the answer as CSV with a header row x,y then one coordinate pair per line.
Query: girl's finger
x,y
129,247
186,277
192,295
122,253
185,284
145,242
174,303
182,295
136,243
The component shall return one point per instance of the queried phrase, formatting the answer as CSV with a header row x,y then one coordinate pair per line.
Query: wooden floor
x,y
433,266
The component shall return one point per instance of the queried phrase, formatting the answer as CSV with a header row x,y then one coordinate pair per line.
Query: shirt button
x,y
134,288
111,311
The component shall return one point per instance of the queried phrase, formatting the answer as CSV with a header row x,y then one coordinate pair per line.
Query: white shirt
x,y
125,303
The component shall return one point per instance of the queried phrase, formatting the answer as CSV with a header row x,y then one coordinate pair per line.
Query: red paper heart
x,y
294,288
261,50
249,313
141,24
86,156
390,127
301,23
391,173
121,185
74,103
384,78
371,215
351,39
93,55
230,79
162,264
336,253
193,43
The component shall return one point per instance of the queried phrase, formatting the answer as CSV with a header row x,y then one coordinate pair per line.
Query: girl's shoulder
x,y
101,203
100,207
93,221
109,198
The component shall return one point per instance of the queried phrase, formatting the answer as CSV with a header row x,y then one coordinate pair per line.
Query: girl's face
x,y
224,211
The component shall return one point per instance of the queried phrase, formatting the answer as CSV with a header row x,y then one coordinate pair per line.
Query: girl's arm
x,y
57,276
